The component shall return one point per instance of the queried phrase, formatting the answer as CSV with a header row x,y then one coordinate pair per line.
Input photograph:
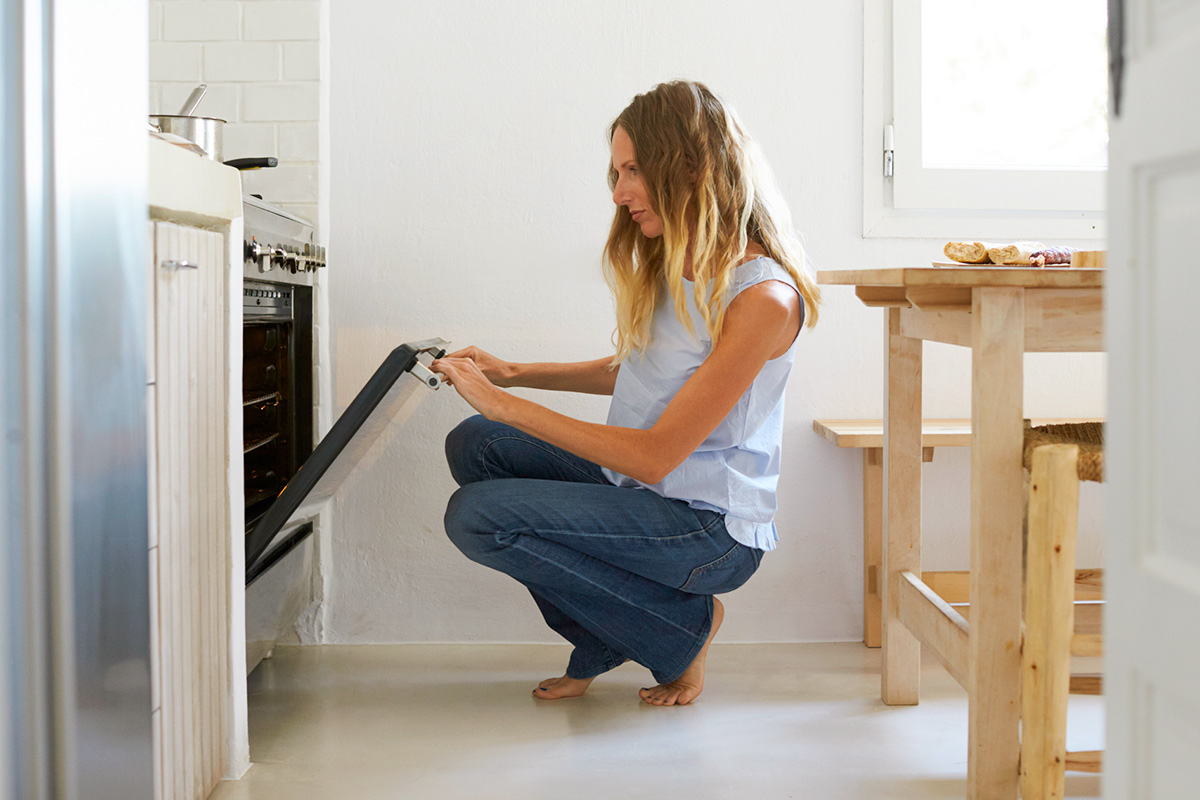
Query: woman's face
x,y
630,190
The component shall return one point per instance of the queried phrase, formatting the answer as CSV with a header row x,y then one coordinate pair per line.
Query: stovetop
x,y
277,245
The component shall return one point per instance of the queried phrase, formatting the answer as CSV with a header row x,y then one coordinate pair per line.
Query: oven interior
x,y
277,400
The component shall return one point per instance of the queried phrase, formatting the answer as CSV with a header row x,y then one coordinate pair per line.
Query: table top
x,y
966,277
934,432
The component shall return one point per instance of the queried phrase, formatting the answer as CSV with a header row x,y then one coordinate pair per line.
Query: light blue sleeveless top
x,y
736,469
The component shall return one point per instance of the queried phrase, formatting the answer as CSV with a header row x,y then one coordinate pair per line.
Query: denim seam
x,y
698,572
567,533
693,652
610,663
501,437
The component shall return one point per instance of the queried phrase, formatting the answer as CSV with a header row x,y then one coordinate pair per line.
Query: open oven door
x,y
356,438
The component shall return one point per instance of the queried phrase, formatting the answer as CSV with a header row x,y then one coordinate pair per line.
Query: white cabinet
x,y
188,374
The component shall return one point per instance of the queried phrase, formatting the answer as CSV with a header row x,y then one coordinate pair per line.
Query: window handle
x,y
889,150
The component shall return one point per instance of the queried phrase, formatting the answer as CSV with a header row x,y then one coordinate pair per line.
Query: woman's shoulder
x,y
756,269
754,252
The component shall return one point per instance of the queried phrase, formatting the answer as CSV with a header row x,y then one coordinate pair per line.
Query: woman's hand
x,y
500,373
472,385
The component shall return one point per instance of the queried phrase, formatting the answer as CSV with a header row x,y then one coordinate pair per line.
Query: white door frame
x,y
1152,652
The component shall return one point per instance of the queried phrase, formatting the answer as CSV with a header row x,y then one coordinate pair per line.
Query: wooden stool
x,y
867,434
1060,618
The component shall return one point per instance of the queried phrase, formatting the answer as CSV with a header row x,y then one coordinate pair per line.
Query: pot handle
x,y
253,163
193,100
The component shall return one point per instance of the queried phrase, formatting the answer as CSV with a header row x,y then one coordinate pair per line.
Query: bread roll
x,y
1015,254
968,252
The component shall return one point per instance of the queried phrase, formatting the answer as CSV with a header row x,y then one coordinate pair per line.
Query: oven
x,y
289,474
280,261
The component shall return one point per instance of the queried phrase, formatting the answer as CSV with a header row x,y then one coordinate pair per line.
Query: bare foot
x,y
686,687
558,688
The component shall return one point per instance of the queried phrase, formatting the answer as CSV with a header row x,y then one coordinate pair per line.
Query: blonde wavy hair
x,y
709,183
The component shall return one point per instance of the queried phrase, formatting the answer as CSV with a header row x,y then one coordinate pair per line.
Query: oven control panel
x,y
261,300
283,257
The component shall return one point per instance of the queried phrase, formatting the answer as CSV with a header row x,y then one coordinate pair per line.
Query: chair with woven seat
x,y
1057,457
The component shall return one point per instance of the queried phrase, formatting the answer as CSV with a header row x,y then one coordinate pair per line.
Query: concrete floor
x,y
434,722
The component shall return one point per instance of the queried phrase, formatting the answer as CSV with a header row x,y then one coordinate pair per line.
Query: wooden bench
x,y
867,434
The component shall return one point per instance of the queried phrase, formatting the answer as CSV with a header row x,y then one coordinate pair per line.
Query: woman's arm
x,y
590,377
760,324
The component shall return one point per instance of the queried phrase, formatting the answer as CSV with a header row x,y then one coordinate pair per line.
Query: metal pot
x,y
204,132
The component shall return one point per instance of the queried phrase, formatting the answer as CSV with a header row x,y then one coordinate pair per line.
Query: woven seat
x,y
1088,436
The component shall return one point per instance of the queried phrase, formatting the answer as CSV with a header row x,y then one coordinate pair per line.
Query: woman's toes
x,y
558,688
669,695
660,695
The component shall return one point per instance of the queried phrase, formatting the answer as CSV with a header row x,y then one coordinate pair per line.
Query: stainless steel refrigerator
x,y
74,606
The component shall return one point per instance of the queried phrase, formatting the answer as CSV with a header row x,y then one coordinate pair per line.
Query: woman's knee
x,y
467,522
464,448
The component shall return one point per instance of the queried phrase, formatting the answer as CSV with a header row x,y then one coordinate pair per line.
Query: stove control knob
x,y
288,259
262,254
312,257
253,251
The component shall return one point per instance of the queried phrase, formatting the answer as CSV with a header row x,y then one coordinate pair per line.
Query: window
x,y
995,113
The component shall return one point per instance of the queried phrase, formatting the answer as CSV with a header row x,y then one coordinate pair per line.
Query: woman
x,y
623,532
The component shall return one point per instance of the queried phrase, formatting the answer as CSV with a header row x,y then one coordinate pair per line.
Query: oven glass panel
x,y
277,408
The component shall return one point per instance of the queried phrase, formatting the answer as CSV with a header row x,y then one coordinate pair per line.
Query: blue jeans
x,y
618,572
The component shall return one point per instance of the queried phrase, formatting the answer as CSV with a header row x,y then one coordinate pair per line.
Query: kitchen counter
x,y
186,189
190,189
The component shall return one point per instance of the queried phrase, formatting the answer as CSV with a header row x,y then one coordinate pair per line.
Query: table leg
x,y
901,683
872,544
997,507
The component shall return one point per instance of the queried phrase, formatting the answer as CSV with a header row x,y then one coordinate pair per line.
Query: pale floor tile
x,y
442,722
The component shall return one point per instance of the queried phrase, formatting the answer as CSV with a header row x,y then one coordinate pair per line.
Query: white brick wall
x,y
279,21
241,61
260,60
175,61
252,138
282,102
208,21
155,21
298,142
301,61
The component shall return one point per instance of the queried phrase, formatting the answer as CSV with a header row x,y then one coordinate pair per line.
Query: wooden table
x,y
1000,313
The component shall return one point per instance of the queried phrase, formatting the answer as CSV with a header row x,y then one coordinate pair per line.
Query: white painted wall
x,y
468,200
260,61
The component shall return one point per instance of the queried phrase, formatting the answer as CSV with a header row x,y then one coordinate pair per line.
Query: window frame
x,y
909,211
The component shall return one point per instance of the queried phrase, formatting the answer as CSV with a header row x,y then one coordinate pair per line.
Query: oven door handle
x,y
429,346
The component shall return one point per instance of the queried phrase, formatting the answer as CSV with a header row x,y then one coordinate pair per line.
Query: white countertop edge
x,y
191,189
